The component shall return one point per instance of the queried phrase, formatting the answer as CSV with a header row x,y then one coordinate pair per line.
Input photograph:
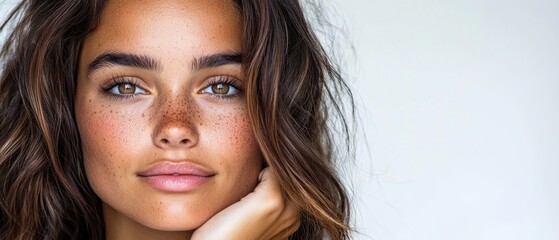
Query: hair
x,y
294,96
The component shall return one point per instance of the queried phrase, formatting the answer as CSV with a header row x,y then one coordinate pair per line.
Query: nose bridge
x,y
175,122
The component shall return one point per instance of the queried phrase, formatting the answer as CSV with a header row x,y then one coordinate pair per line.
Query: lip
x,y
176,177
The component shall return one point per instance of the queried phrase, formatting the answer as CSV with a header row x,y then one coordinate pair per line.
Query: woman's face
x,y
162,115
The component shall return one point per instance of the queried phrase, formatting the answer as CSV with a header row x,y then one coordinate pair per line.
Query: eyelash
x,y
115,81
225,80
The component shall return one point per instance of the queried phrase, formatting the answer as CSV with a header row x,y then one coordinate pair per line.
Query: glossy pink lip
x,y
176,177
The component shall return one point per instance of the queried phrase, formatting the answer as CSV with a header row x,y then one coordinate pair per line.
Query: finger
x,y
268,185
287,223
288,231
291,215
265,174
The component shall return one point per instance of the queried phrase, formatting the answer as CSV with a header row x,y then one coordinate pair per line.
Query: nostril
x,y
171,136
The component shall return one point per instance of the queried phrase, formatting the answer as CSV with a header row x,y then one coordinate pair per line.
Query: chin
x,y
178,217
168,216
175,226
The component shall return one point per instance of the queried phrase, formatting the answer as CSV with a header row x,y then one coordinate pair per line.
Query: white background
x,y
459,104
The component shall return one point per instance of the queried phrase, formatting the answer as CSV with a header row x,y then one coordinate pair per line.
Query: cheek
x,y
233,134
238,151
104,134
238,134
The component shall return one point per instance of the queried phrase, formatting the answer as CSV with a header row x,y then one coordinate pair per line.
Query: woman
x,y
168,119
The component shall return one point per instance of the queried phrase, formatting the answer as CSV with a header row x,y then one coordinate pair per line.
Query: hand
x,y
262,214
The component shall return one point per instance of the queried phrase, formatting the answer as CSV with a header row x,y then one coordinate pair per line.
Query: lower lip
x,y
178,183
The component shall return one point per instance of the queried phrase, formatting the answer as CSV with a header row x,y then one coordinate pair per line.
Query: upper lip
x,y
176,168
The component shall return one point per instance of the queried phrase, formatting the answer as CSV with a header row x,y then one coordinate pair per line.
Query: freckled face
x,y
148,99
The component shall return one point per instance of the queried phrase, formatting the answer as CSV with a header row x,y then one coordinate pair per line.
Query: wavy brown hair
x,y
294,95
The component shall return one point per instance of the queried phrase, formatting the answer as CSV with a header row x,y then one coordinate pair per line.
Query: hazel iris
x,y
220,88
127,88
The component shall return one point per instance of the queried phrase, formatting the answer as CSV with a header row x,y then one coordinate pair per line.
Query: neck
x,y
118,226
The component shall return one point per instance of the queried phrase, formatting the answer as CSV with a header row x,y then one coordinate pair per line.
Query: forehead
x,y
192,26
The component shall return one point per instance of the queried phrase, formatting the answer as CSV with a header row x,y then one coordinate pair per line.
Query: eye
x,y
220,89
123,87
126,89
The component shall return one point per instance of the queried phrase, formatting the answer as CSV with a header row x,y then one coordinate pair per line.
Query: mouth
x,y
176,177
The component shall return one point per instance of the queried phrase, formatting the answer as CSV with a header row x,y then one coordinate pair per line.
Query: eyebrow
x,y
108,59
216,60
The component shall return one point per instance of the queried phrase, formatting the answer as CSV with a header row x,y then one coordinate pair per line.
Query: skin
x,y
172,115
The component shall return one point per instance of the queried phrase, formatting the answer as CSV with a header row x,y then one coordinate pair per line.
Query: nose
x,y
174,136
175,131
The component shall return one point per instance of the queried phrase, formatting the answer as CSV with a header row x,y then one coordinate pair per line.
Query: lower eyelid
x,y
225,97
